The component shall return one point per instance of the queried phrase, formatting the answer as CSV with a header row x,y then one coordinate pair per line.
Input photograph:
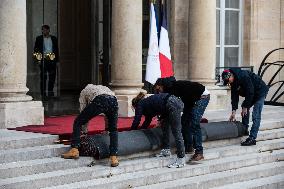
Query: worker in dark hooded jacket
x,y
170,107
249,85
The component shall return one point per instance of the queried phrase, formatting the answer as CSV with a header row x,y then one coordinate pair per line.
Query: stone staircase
x,y
31,161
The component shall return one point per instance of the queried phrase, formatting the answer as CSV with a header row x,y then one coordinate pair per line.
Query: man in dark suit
x,y
47,45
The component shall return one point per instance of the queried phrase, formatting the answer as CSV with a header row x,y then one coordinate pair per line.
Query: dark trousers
x,y
105,104
173,120
47,68
186,132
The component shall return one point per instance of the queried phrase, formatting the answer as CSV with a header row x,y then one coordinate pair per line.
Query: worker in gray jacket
x,y
94,100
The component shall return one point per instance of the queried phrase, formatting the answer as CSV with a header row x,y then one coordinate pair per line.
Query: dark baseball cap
x,y
226,76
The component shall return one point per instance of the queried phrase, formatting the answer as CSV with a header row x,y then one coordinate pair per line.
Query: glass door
x,y
43,50
61,52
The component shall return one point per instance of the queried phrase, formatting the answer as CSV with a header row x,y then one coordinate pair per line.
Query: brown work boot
x,y
73,153
197,157
113,161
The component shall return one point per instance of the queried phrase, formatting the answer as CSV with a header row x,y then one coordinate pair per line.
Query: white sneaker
x,y
178,163
164,153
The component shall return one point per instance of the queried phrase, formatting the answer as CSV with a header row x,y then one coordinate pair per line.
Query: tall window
x,y
229,33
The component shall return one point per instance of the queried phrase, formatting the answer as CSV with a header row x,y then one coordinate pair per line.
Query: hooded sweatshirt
x,y
248,85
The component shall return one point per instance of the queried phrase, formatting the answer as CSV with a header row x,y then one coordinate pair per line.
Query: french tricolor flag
x,y
159,62
166,65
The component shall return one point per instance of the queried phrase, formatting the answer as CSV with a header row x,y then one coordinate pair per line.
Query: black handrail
x,y
264,66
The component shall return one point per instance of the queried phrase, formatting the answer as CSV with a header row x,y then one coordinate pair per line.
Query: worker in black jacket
x,y
249,85
195,98
168,106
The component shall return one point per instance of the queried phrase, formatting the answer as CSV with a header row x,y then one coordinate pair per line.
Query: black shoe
x,y
246,133
249,142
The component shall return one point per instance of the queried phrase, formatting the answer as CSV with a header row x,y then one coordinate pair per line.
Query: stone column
x,y
178,36
126,52
202,48
202,41
16,108
95,40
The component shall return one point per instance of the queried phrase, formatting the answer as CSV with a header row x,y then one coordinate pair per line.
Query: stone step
x,y
224,148
236,150
55,150
222,178
270,134
272,107
272,182
39,152
262,135
21,168
30,153
10,139
277,144
271,124
229,147
259,163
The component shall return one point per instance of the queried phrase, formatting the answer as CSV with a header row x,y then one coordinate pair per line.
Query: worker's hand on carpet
x,y
233,116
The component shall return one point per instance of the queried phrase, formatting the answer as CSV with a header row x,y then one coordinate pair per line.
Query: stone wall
x,y
263,32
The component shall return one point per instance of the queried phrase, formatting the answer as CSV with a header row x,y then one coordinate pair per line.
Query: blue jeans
x,y
195,129
256,117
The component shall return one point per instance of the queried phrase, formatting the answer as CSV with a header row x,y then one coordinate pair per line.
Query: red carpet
x,y
63,125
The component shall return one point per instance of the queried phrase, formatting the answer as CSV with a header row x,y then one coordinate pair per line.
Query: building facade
x,y
104,42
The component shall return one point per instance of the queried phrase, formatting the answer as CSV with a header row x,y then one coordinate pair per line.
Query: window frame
x,y
222,10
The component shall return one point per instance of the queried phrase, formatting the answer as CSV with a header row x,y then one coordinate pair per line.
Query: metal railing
x,y
264,66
